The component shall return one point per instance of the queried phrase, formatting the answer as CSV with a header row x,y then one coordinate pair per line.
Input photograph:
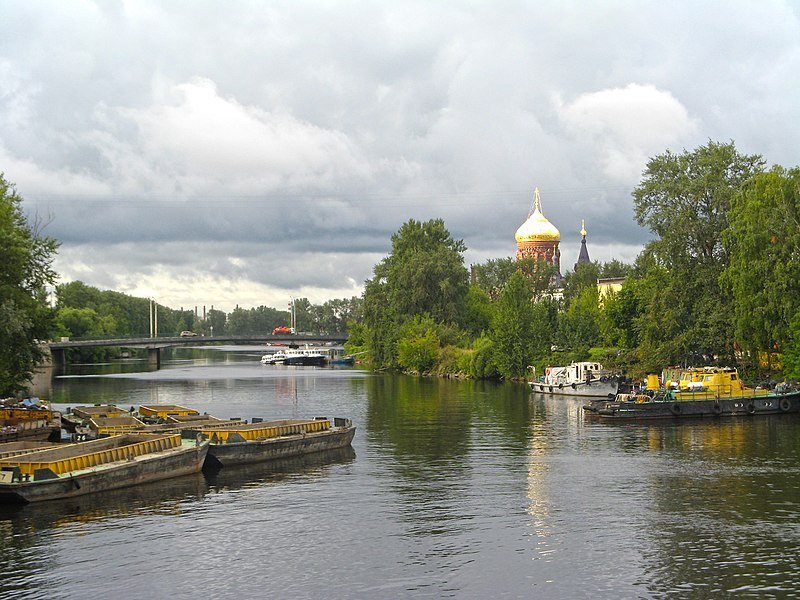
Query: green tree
x,y
25,270
84,323
418,345
791,354
579,324
763,239
512,328
424,274
684,199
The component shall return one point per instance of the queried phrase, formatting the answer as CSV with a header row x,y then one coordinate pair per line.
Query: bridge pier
x,y
58,358
154,358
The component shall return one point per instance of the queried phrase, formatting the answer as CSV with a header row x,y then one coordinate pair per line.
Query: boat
x,y
304,357
259,441
30,418
108,463
577,379
276,358
700,392
343,361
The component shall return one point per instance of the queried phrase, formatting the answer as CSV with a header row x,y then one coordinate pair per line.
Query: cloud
x,y
624,126
208,150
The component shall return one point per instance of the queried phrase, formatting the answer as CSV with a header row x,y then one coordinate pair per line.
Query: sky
x,y
244,153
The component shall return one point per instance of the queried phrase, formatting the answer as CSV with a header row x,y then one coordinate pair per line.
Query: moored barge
x,y
255,442
98,465
705,392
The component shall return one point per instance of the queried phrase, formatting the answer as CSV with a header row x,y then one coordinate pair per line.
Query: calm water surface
x,y
452,489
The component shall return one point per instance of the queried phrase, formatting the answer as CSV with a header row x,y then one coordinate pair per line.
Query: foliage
x,y
84,323
259,320
25,270
684,199
423,275
579,324
418,346
763,239
478,311
481,359
621,311
582,278
791,356
511,328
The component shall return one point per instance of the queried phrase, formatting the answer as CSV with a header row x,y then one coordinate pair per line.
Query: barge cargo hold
x,y
104,464
257,442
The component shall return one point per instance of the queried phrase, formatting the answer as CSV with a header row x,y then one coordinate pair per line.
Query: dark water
x,y
453,489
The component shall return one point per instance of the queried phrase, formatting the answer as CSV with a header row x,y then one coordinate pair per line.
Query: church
x,y
538,238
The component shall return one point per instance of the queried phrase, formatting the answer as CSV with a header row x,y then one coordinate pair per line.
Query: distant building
x,y
537,238
608,286
583,257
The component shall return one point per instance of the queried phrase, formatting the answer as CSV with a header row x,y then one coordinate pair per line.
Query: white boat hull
x,y
595,389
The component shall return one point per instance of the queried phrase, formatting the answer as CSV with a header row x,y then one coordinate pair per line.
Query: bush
x,y
418,353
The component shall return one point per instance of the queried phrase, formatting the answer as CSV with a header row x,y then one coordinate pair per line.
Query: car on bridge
x,y
188,334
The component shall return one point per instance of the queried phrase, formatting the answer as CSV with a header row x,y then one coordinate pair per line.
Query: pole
x,y
155,311
151,317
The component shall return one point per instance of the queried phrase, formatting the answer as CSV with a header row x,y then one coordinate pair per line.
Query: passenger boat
x,y
29,418
260,441
304,357
108,463
577,379
700,392
276,358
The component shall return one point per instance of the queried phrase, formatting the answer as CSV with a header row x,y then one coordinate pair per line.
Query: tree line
x,y
718,284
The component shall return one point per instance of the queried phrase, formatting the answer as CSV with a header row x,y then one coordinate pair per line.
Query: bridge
x,y
154,345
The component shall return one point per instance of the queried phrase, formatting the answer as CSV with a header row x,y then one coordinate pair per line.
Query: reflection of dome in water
x,y
537,228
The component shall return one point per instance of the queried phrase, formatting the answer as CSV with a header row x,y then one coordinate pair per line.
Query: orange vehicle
x,y
281,330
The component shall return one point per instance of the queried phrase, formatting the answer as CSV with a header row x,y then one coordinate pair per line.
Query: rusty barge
x,y
35,474
246,443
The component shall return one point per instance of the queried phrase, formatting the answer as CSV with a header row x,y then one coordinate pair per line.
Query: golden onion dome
x,y
537,228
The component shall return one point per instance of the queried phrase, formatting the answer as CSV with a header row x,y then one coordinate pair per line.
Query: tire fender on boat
x,y
603,379
785,404
676,409
751,409
716,409
574,387
561,386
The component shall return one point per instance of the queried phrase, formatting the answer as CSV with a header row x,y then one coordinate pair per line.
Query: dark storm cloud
x,y
262,150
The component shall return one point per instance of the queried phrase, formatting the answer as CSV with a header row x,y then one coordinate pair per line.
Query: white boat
x,y
577,379
277,358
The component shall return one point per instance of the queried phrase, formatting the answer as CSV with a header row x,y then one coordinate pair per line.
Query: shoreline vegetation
x,y
719,283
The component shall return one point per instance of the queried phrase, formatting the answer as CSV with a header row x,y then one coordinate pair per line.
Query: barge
x,y
245,443
701,392
34,475
30,418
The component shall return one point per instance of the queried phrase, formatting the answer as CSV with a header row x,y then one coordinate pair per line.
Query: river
x,y
452,489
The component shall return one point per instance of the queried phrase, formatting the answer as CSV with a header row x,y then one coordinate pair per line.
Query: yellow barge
x,y
33,475
242,443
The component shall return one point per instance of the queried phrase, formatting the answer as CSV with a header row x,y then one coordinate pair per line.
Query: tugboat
x,y
700,392
577,379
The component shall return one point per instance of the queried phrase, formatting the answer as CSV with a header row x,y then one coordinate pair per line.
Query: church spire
x,y
583,256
